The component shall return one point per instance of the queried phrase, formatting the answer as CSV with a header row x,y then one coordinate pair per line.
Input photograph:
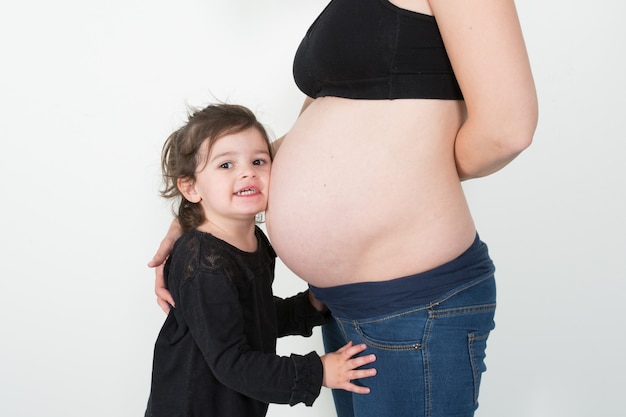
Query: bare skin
x,y
386,164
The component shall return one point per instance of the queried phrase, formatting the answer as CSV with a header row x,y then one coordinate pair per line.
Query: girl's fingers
x,y
361,360
357,389
345,348
354,350
364,373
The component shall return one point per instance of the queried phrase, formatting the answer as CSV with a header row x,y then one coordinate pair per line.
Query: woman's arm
x,y
484,41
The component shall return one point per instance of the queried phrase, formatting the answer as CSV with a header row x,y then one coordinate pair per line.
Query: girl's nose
x,y
248,171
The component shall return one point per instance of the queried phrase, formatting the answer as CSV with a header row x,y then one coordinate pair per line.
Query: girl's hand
x,y
340,368
164,297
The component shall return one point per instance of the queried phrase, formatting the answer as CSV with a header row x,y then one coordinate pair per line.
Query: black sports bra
x,y
372,49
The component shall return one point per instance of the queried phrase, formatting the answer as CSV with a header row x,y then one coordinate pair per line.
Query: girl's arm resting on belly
x,y
489,57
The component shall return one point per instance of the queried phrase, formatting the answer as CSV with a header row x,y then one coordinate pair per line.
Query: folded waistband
x,y
372,299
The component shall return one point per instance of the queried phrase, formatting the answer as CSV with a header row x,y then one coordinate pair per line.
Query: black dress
x,y
216,353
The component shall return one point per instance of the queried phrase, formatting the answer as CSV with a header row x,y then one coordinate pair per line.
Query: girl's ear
x,y
187,187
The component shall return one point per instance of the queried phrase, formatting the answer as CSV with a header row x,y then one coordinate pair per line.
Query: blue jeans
x,y
429,358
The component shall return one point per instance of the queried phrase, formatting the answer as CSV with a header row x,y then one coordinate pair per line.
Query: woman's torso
x,y
367,190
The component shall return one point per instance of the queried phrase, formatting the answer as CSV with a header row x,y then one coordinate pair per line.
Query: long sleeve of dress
x,y
296,316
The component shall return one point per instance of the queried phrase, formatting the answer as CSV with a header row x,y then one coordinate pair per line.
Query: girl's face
x,y
234,182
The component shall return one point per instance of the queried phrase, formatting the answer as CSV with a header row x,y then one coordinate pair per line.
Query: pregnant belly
x,y
352,201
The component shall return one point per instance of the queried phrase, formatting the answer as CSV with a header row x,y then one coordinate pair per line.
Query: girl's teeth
x,y
246,192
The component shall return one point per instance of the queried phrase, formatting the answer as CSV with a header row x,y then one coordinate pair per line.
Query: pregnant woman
x,y
405,99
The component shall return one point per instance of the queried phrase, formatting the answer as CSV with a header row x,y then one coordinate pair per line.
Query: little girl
x,y
216,352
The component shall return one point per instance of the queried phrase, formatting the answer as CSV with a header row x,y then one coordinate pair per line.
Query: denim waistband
x,y
371,299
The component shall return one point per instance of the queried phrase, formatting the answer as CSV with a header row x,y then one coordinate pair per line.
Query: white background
x,y
89,92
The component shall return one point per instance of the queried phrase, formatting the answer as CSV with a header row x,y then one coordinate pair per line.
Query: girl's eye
x,y
226,165
259,162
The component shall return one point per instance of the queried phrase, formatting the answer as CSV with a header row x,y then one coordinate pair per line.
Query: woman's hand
x,y
340,368
164,297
